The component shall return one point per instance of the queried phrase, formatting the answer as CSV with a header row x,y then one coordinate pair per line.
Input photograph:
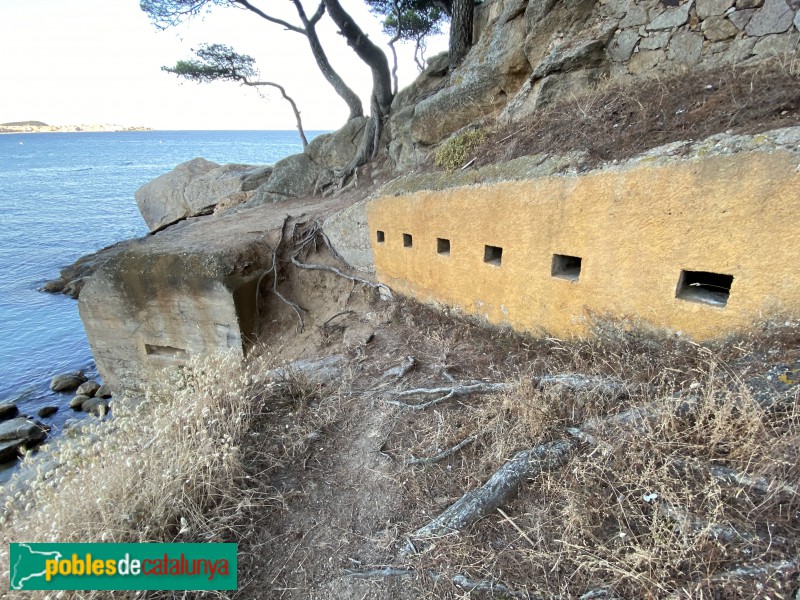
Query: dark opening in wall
x,y
165,351
381,237
443,246
407,240
706,287
493,255
566,267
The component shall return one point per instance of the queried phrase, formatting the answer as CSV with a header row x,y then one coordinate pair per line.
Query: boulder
x,y
192,188
103,392
292,177
9,450
337,149
349,234
77,402
96,406
22,429
256,178
67,381
72,278
8,411
46,411
87,389
163,200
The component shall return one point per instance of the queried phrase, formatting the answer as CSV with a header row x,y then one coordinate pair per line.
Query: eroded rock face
x,y
292,177
192,188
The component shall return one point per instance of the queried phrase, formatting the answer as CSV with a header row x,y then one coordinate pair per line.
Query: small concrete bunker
x,y
167,298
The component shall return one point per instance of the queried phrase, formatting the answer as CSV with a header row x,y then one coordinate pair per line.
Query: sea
x,y
64,195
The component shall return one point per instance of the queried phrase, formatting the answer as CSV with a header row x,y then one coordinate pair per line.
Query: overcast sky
x,y
98,61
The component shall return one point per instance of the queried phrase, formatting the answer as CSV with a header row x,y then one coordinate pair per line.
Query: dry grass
x,y
168,469
617,119
637,512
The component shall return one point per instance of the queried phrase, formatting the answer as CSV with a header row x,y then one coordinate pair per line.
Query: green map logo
x,y
122,566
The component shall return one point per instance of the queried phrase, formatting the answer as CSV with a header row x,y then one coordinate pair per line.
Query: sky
x,y
68,62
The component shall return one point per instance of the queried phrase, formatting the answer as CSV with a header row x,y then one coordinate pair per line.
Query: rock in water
x,y
96,406
103,392
77,402
8,411
46,411
88,389
67,381
23,430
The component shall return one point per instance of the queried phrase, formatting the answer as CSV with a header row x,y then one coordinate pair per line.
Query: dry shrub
x,y
615,119
168,469
454,152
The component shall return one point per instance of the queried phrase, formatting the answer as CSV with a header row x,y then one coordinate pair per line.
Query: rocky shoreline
x,y
21,433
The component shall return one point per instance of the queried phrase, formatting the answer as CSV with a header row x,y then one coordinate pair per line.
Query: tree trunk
x,y
309,30
460,31
348,95
382,96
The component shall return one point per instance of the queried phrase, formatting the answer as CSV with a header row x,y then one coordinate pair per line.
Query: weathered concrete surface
x,y
187,291
722,206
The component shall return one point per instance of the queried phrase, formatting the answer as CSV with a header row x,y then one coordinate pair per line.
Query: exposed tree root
x,y
274,270
413,461
446,393
784,569
500,487
400,370
574,382
460,580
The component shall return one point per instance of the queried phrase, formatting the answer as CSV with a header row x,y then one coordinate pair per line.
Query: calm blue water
x,y
63,195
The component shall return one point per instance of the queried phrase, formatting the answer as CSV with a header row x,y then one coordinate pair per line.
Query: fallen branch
x,y
722,533
442,455
446,393
470,585
496,491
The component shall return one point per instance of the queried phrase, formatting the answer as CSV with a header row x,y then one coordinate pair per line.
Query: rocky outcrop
x,y
301,175
192,188
530,54
72,278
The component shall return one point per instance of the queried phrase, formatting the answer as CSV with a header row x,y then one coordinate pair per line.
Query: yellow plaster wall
x,y
635,230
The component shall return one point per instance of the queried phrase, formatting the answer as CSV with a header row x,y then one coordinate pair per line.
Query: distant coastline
x,y
40,127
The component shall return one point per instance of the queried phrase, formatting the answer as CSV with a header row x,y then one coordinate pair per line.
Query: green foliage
x,y
418,18
215,62
168,13
455,151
